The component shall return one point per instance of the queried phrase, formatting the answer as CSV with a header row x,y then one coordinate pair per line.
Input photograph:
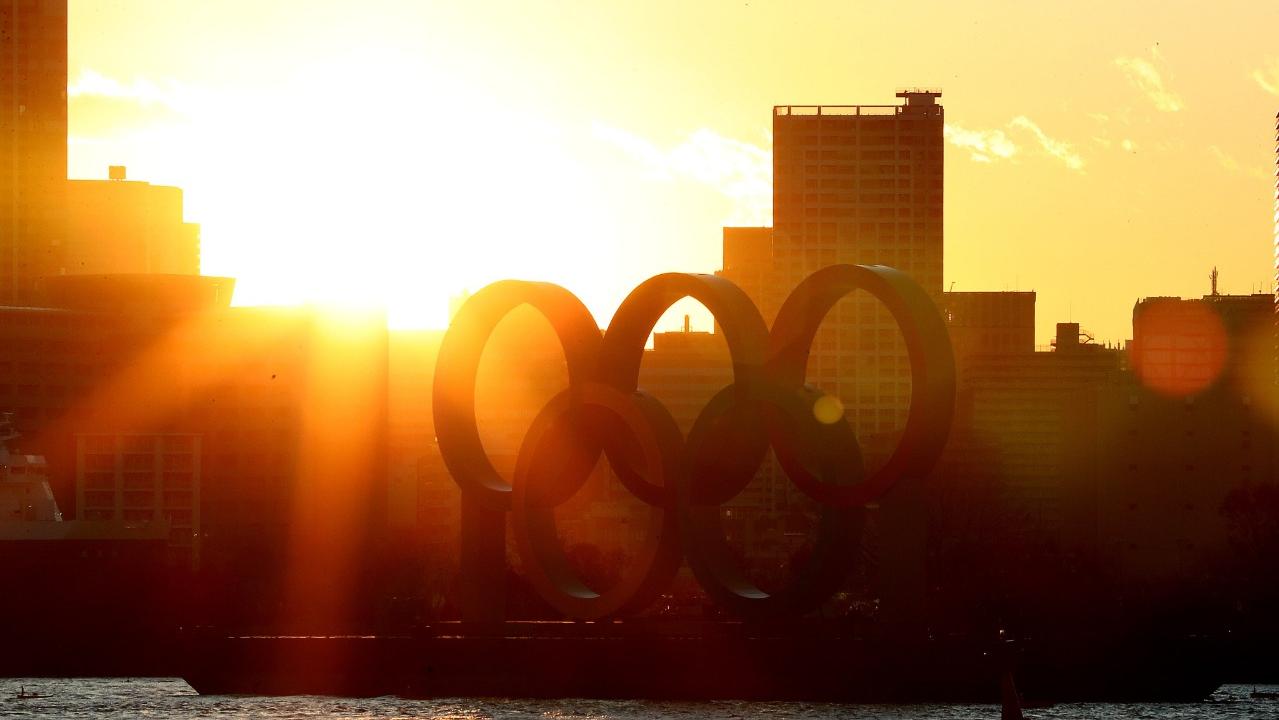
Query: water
x,y
173,698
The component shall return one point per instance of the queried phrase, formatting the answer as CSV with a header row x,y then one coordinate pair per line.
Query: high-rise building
x,y
126,226
863,185
33,144
857,184
983,324
1183,347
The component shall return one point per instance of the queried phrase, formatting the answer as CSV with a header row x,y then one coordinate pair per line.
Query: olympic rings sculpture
x,y
683,480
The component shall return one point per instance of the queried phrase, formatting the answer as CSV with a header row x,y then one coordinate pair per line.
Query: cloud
x,y
987,146
739,170
983,145
1059,149
91,83
1228,162
1268,78
1144,76
104,106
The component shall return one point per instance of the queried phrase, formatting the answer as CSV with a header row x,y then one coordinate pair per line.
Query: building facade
x,y
288,405
861,185
143,479
1183,347
984,324
748,263
33,144
1016,424
126,226
1165,468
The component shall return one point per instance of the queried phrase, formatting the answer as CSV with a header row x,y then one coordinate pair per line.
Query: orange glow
x,y
393,154
339,489
1179,348
240,377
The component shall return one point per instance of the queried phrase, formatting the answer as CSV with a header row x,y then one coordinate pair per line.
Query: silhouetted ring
x,y
740,322
709,554
546,566
743,327
458,363
767,402
932,371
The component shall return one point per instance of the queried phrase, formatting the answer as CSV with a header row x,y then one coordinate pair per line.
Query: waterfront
x,y
173,698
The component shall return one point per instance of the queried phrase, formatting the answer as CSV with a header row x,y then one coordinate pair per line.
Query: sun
x,y
385,198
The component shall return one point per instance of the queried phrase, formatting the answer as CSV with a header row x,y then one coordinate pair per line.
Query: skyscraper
x,y
860,184
33,144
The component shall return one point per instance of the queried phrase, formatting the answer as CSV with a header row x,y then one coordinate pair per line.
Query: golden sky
x,y
396,152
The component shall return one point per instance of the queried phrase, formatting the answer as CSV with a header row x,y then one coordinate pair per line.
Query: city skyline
x,y
1150,170
836,352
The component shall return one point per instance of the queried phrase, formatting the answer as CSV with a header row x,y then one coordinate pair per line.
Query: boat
x,y
22,694
24,481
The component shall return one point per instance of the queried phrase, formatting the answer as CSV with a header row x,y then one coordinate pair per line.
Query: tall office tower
x,y
33,144
861,184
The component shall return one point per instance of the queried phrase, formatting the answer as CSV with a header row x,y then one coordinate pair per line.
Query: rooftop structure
x,y
127,226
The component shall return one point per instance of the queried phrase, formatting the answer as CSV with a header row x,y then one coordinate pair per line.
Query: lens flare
x,y
828,410
1179,347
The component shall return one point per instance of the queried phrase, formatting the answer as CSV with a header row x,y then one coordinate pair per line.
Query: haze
x,y
395,153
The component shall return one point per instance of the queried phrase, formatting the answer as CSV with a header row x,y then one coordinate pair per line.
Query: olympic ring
x,y
459,361
684,481
547,568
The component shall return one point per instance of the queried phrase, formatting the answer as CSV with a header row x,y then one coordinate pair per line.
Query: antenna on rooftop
x,y
1213,277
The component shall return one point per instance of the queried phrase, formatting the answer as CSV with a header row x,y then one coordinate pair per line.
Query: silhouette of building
x,y
1189,426
983,324
863,185
1164,466
1016,419
126,226
143,479
287,407
1183,347
748,263
684,370
33,144
857,184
